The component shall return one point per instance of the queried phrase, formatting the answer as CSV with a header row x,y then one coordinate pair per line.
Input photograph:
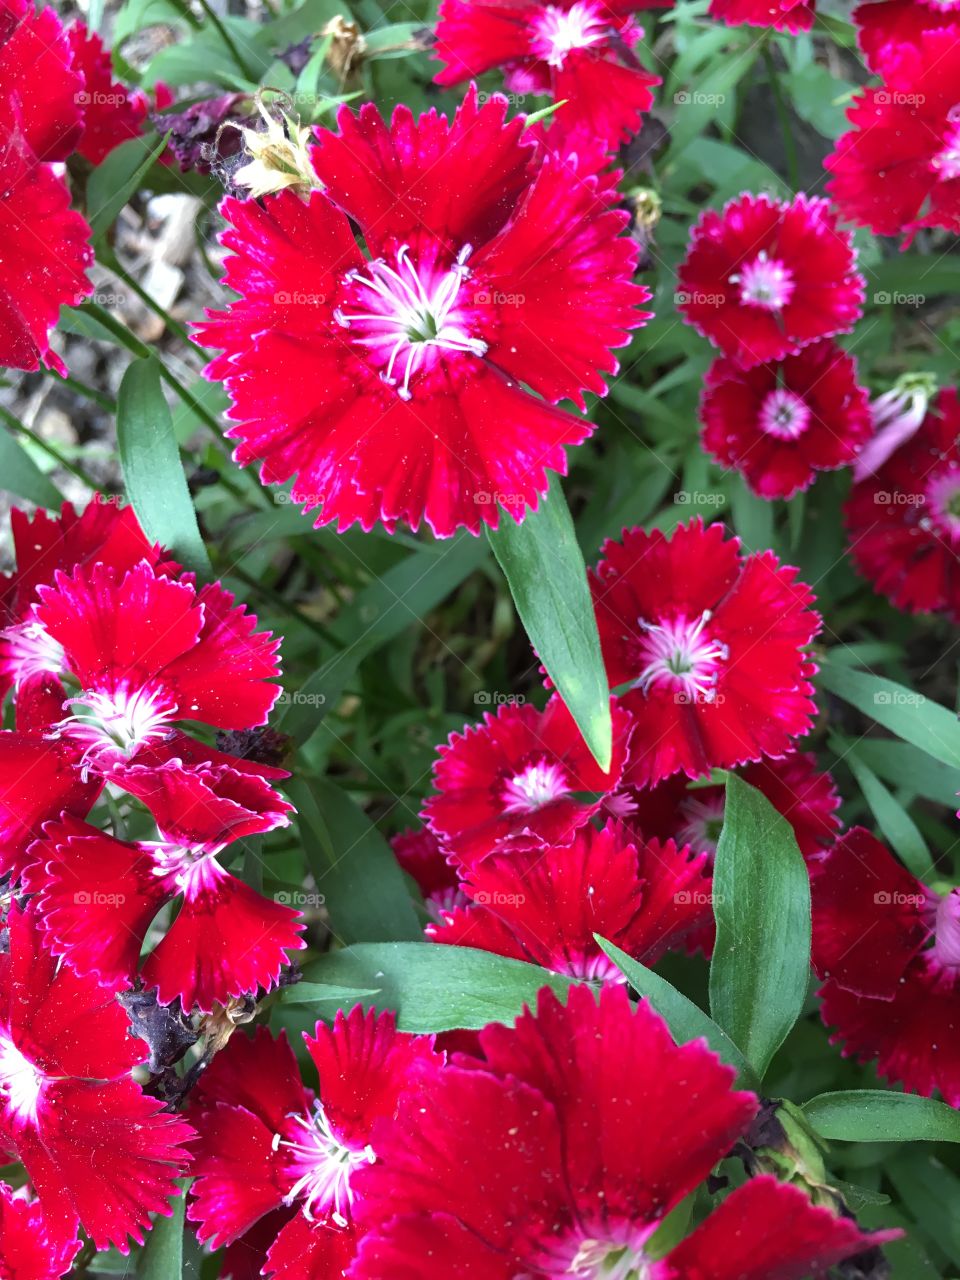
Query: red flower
x,y
388,385
904,521
39,780
98,1150
99,895
545,904
763,279
147,651
515,777
806,798
46,251
112,113
782,423
782,15
40,89
104,532
562,1155
422,856
578,51
888,24
903,154
710,643
889,949
265,1142
28,1251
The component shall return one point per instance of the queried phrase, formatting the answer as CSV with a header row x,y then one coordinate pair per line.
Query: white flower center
x,y
537,785
116,723
407,315
557,32
600,1260
702,820
947,161
784,414
322,1166
943,503
30,650
947,930
191,872
21,1082
765,282
680,655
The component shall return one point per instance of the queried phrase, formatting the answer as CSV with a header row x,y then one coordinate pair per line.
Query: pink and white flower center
x,y
681,655
29,650
21,1082
534,787
322,1166
599,1251
947,160
765,282
590,968
702,820
943,503
946,933
192,872
406,315
557,32
784,415
117,722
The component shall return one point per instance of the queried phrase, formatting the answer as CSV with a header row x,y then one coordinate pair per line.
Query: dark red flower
x,y
40,88
546,904
28,1251
99,895
904,520
782,423
762,279
98,1150
888,948
516,776
266,1142
422,856
807,798
388,385
781,15
112,113
710,645
898,169
581,52
562,1154
888,24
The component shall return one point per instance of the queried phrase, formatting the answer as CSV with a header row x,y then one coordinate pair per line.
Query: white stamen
x,y
784,415
557,32
537,785
30,650
678,654
323,1167
407,314
21,1082
118,722
765,282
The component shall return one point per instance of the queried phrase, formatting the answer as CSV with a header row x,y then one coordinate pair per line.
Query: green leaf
x,y
880,1115
544,568
354,867
893,820
909,715
685,1019
161,1258
325,993
761,901
20,475
434,988
115,180
152,470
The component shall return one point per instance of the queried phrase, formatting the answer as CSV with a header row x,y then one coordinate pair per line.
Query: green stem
x,y
227,39
51,452
89,393
147,299
284,605
789,146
